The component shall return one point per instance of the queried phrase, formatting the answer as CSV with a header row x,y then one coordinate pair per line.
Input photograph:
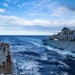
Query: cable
x,y
67,45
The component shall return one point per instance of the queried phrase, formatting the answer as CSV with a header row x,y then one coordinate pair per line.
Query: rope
x,y
66,46
55,46
63,47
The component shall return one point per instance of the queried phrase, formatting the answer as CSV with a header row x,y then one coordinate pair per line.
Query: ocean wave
x,y
30,57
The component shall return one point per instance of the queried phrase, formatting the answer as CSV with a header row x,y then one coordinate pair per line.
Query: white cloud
x,y
22,5
19,5
8,24
4,31
50,8
45,6
12,21
8,1
5,4
61,11
2,10
32,14
16,21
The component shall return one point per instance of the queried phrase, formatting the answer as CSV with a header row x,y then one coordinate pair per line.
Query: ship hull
x,y
60,44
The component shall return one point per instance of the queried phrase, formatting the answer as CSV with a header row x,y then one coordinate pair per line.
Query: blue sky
x,y
35,17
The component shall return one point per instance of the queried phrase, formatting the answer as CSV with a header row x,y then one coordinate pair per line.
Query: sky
x,y
36,17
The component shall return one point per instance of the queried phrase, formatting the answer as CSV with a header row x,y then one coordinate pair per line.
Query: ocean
x,y
30,57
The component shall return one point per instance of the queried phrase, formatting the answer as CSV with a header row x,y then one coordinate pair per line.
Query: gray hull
x,y
64,45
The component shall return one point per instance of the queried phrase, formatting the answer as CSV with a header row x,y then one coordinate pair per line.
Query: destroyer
x,y
64,40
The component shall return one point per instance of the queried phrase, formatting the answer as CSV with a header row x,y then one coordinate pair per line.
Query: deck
x,y
7,68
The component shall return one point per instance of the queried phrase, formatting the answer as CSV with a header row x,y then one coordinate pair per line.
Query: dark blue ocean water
x,y
30,57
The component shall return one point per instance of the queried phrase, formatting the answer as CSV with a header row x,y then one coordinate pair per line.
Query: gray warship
x,y
64,40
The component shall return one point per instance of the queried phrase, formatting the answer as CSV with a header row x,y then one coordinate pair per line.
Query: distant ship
x,y
5,60
64,40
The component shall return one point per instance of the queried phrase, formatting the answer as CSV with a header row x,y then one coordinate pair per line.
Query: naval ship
x,y
64,40
5,60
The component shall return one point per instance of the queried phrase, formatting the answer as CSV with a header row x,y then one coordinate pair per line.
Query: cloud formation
x,y
38,15
2,10
5,4
11,21
62,11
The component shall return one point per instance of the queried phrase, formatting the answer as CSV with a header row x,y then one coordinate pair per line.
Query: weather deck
x,y
5,69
